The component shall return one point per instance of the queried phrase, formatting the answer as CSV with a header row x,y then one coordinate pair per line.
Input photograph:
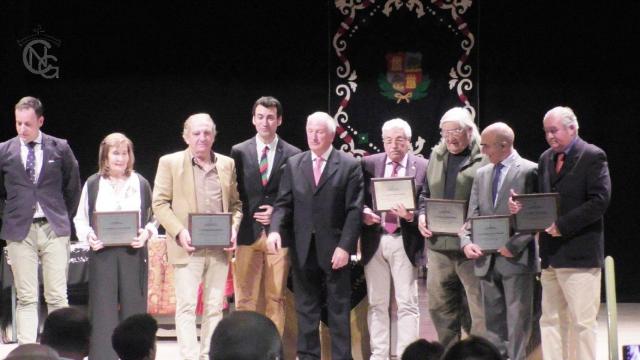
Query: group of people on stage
x,y
305,212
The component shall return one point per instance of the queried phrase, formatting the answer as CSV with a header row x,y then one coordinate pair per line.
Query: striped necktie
x,y
264,166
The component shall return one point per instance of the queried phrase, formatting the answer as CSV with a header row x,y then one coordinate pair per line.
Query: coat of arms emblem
x,y
404,80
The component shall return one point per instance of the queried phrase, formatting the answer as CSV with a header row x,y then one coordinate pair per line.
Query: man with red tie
x,y
390,242
571,248
260,162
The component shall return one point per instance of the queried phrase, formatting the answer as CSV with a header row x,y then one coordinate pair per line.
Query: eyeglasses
x,y
398,140
452,132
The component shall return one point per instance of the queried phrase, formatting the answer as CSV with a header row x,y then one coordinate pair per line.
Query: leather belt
x,y
39,221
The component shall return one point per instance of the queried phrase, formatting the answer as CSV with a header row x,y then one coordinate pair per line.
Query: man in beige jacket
x,y
196,180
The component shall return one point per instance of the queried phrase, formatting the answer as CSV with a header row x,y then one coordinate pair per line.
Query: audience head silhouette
x,y
135,338
68,332
422,349
33,352
473,348
245,335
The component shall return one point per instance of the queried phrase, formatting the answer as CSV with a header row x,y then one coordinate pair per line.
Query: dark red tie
x,y
559,162
391,220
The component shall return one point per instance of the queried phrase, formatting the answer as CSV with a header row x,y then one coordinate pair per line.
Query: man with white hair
x,y
452,166
320,198
572,248
196,180
390,242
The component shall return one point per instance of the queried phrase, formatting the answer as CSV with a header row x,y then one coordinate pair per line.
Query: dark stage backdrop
x,y
143,68
408,59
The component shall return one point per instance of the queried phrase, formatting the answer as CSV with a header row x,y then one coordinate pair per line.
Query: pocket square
x,y
50,161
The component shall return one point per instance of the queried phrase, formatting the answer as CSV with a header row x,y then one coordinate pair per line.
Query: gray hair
x,y
200,116
566,114
324,117
463,117
397,123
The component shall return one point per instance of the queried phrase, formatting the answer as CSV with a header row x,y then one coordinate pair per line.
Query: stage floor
x,y
628,331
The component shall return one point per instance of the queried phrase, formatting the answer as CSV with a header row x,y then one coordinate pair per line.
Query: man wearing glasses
x,y
390,242
452,288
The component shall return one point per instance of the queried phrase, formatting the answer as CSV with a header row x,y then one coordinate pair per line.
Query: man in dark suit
x,y
40,186
506,277
390,243
572,248
259,163
320,196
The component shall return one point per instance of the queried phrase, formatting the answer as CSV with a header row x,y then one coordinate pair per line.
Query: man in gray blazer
x,y
40,189
506,277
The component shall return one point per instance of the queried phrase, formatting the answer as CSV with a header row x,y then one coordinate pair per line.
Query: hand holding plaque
x,y
210,230
116,228
389,192
538,211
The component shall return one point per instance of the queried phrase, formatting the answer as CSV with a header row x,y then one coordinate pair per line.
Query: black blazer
x,y
252,193
330,211
373,166
585,190
57,189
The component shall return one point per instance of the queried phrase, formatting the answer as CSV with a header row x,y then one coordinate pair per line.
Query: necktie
x,y
391,219
317,169
264,166
559,162
497,172
30,165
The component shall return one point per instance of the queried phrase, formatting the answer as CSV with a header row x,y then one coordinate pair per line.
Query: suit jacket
x,y
174,197
57,189
522,177
374,166
330,211
252,193
585,190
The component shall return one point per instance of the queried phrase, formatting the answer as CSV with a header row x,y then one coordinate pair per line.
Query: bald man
x,y
506,277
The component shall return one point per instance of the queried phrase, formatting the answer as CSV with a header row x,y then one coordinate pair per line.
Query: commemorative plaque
x,y
445,217
490,233
210,230
116,228
388,192
538,211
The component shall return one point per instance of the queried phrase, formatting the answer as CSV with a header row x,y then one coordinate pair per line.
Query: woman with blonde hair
x,y
117,274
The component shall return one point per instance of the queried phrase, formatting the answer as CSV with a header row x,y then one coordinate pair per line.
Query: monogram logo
x,y
36,55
